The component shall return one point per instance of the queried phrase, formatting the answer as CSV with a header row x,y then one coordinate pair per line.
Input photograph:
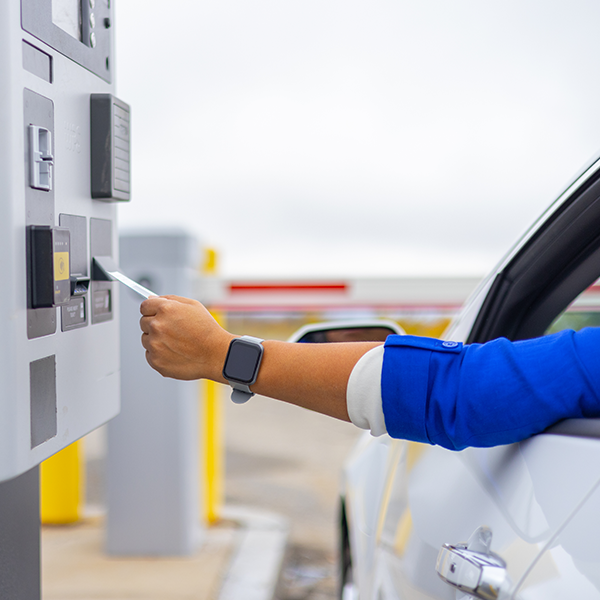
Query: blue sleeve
x,y
488,394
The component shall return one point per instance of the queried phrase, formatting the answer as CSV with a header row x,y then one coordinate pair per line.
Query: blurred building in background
x,y
276,308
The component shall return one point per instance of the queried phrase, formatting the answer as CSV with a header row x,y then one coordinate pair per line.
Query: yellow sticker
x,y
61,266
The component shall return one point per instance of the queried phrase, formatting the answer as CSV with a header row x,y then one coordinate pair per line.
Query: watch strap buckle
x,y
240,396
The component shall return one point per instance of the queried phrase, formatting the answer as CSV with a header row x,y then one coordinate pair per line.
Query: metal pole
x,y
20,537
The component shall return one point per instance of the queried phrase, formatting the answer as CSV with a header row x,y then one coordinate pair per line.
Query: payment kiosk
x,y
64,166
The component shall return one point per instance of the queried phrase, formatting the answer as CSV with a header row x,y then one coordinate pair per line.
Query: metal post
x,y
20,537
152,466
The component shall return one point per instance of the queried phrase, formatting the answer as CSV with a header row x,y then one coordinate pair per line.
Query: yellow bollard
x,y
211,426
210,262
213,452
61,486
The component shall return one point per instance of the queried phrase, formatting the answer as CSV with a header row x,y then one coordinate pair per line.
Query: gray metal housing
x,y
44,84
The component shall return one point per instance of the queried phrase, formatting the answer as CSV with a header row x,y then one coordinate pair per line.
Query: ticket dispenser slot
x,y
101,296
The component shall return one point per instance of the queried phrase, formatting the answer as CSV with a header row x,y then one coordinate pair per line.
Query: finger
x,y
181,299
151,306
145,324
153,365
148,324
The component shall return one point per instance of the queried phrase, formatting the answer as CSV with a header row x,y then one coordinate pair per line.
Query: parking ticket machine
x,y
64,166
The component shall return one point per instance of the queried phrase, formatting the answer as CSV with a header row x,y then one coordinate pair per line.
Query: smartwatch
x,y
241,366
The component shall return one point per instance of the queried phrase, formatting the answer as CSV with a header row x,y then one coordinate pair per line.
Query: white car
x,y
519,521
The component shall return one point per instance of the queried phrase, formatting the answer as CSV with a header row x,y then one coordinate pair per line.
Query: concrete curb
x,y
254,568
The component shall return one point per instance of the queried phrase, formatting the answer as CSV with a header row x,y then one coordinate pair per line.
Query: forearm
x,y
182,341
314,376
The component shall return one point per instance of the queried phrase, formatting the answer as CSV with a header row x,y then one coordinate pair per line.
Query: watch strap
x,y
251,338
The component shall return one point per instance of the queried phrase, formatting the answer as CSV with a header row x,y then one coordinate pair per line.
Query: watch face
x,y
242,361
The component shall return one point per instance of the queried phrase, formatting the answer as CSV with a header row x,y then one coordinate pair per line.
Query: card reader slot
x,y
80,284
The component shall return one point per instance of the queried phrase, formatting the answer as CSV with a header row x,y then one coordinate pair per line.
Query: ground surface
x,y
288,460
75,567
279,458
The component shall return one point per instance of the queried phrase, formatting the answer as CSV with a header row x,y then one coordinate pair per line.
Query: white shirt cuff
x,y
363,394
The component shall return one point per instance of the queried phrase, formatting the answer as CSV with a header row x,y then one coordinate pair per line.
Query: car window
x,y
584,311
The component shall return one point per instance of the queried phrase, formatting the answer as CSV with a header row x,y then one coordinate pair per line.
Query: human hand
x,y
181,338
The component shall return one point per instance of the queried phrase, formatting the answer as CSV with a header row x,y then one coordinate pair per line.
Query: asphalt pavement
x,y
287,460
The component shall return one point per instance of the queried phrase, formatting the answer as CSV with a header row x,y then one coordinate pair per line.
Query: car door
x,y
539,498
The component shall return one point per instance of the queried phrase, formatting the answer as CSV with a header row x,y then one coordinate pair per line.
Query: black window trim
x,y
560,261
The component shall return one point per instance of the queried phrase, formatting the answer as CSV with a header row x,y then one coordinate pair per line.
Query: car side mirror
x,y
366,330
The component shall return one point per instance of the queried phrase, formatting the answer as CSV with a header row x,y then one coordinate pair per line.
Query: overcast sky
x,y
335,138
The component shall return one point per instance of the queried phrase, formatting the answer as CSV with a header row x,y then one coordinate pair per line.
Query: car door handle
x,y
473,568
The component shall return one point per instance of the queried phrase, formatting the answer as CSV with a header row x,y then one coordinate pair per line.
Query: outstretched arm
x,y
425,390
183,341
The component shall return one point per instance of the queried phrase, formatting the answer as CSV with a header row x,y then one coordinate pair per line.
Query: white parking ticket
x,y
111,272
